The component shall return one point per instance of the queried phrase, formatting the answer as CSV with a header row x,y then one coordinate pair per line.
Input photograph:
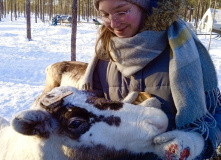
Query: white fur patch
x,y
138,126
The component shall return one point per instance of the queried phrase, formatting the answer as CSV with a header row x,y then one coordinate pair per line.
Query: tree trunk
x,y
5,8
11,10
197,14
87,10
184,17
36,11
28,14
19,10
202,12
54,9
1,10
83,11
15,8
25,9
74,30
51,9
61,9
191,13
40,6
43,10
79,10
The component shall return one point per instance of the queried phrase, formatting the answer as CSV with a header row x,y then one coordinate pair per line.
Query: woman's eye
x,y
104,15
74,124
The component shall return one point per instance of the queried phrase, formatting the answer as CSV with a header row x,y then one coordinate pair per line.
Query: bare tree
x,y
15,9
40,6
88,10
74,30
11,9
19,9
43,10
83,9
36,10
79,10
50,9
24,9
61,5
28,19
65,12
197,14
5,8
1,10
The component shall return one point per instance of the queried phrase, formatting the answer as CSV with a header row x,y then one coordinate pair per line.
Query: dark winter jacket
x,y
153,79
182,74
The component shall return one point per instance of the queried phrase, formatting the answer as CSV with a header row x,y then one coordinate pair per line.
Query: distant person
x,y
144,46
55,21
96,21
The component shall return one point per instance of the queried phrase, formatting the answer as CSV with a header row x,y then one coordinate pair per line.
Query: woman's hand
x,y
136,97
178,145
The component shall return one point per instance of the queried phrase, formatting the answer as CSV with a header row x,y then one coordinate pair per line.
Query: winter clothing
x,y
109,82
142,3
186,62
171,64
178,144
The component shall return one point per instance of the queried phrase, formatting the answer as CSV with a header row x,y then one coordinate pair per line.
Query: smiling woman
x,y
120,17
144,46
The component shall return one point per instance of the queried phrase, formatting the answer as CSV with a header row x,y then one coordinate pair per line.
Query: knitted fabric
x,y
145,4
191,71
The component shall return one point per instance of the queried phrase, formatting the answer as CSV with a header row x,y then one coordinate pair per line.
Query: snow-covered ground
x,y
23,62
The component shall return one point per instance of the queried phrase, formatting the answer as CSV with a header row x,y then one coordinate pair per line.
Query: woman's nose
x,y
114,23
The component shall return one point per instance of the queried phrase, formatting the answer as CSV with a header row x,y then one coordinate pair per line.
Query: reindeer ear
x,y
52,100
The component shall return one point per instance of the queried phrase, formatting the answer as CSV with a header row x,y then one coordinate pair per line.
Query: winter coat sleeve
x,y
97,85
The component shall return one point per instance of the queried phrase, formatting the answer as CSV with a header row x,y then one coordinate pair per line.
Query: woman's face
x,y
132,22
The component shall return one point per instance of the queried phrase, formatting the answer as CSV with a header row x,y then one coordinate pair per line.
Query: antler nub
x,y
52,100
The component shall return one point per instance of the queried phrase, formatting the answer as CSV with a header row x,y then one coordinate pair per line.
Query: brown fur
x,y
59,72
97,153
70,73
104,104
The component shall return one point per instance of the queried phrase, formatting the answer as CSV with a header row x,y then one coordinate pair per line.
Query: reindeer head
x,y
86,120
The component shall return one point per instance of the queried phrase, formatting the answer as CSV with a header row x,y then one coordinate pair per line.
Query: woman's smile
x,y
126,27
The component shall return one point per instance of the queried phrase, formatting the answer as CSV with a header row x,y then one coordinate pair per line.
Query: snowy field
x,y
23,62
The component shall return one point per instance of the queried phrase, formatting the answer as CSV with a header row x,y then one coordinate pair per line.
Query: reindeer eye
x,y
75,123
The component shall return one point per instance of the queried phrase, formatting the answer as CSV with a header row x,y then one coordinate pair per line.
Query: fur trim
x,y
164,15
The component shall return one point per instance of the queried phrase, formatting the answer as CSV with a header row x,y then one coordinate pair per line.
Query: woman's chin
x,y
122,33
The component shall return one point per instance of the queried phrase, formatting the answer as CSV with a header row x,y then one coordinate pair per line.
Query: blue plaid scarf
x,y
193,79
192,74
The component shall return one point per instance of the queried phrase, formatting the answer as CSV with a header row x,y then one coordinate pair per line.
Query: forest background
x,y
192,9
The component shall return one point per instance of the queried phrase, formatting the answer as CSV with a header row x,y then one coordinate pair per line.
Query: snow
x,y
23,62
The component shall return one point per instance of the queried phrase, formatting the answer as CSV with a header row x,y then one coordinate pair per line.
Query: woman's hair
x,y
103,43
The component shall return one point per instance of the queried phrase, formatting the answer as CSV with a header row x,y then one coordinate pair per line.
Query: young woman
x,y
144,46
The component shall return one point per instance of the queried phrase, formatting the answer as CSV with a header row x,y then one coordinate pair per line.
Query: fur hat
x,y
145,4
